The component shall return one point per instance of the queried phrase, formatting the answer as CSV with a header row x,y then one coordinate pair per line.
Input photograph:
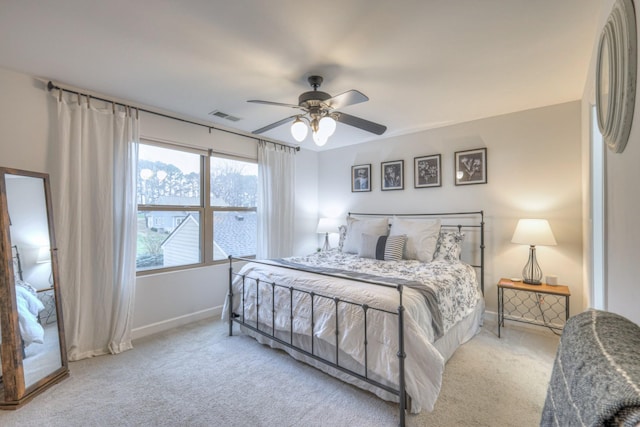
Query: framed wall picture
x,y
426,171
471,166
392,175
360,178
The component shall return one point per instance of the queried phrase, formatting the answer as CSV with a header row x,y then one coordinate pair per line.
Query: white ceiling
x,y
422,63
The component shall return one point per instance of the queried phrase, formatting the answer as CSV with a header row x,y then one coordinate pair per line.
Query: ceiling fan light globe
x,y
319,139
327,126
299,130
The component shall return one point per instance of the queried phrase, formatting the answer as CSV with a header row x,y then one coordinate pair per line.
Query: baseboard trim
x,y
175,322
491,316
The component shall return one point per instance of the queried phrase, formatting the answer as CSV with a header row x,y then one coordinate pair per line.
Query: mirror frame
x,y
13,392
616,71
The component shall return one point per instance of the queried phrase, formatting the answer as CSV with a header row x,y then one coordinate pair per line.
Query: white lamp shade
x,y
533,232
328,225
299,130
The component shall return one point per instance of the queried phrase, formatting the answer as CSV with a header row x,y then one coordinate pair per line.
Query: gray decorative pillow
x,y
449,246
387,248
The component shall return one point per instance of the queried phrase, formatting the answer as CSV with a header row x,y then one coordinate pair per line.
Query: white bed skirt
x,y
462,332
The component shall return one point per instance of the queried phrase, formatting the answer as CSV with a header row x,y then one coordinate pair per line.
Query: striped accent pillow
x,y
394,247
387,248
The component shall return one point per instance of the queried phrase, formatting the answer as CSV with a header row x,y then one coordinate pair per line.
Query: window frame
x,y
205,211
214,209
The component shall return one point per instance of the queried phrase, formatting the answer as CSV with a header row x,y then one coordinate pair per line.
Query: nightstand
x,y
48,314
542,305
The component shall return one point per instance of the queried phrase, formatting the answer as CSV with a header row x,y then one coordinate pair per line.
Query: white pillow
x,y
422,236
357,227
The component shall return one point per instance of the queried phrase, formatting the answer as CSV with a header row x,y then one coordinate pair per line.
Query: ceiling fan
x,y
319,114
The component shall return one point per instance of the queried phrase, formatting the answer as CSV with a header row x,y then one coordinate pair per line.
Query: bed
x,y
383,311
29,305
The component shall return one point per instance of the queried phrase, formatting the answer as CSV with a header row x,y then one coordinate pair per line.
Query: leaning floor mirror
x,y
33,350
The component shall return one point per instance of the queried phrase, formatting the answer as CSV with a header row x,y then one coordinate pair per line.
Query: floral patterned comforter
x,y
454,283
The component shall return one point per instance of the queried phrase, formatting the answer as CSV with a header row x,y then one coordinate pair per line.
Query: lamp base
x,y
531,273
326,246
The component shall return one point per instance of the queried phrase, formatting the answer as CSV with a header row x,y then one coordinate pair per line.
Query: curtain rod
x,y
51,86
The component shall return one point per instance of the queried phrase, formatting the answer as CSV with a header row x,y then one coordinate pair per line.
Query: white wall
x,y
622,198
534,170
24,122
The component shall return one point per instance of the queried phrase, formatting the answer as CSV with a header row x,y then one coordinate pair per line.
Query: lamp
x,y
326,226
533,232
322,127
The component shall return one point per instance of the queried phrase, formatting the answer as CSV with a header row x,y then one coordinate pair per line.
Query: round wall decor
x,y
616,75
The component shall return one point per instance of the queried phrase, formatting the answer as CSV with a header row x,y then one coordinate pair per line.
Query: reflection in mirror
x,y
30,239
39,342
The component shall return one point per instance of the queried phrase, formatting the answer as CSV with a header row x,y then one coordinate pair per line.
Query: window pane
x,y
168,177
233,183
234,233
167,239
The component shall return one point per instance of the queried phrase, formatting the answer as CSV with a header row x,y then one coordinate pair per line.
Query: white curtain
x,y
276,198
94,196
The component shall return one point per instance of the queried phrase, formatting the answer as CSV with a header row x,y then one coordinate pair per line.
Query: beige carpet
x,y
197,376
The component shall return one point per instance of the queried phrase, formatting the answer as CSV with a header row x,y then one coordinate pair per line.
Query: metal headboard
x,y
16,255
477,222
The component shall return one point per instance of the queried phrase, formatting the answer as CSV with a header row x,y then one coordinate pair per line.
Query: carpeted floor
x,y
198,376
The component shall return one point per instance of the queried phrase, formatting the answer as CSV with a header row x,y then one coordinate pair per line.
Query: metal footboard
x,y
254,325
473,221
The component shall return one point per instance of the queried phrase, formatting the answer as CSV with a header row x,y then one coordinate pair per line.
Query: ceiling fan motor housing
x,y
312,98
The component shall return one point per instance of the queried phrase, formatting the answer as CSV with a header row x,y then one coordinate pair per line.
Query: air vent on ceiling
x,y
218,113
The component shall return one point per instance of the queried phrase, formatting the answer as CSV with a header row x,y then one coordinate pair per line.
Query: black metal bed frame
x,y
255,326
17,258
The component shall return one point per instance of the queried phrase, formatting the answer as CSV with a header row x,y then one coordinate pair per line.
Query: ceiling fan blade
x,y
277,104
363,124
273,125
349,97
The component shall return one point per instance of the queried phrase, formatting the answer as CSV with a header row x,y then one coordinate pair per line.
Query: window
x,y
598,297
234,187
177,225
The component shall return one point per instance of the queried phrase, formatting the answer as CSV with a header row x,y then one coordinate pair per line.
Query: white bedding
x,y
454,284
28,308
